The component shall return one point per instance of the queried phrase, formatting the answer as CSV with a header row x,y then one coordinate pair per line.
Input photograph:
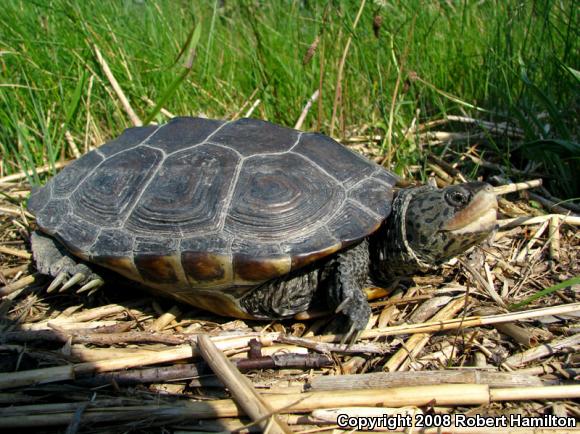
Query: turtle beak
x,y
479,216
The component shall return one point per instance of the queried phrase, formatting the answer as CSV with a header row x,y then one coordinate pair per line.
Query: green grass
x,y
499,60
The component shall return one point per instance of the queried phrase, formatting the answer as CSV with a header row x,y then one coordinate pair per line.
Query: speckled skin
x,y
412,239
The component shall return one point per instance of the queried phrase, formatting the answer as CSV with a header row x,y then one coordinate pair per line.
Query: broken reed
x,y
69,372
443,395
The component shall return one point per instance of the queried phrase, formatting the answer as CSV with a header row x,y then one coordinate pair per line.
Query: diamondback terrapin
x,y
247,219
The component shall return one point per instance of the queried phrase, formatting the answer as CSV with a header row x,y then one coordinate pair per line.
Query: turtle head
x,y
429,226
441,224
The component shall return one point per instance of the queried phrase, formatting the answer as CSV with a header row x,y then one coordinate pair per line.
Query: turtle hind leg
x,y
51,258
345,277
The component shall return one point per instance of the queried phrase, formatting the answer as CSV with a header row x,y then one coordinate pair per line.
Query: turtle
x,y
247,219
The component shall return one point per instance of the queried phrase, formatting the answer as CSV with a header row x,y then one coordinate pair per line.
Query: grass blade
x,y
179,79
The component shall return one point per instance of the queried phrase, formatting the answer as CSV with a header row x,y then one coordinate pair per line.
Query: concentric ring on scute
x,y
109,193
346,166
204,210
281,196
187,195
73,174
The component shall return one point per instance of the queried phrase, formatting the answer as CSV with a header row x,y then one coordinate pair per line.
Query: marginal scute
x,y
182,132
387,177
252,136
157,269
77,234
187,195
108,194
255,263
206,269
282,196
121,264
334,158
306,250
157,260
52,215
212,300
258,269
115,242
206,261
39,198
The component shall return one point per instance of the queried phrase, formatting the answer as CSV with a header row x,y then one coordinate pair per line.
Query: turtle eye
x,y
456,198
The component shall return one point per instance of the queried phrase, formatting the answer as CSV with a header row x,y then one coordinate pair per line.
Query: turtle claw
x,y
344,303
58,280
53,260
78,277
91,292
91,285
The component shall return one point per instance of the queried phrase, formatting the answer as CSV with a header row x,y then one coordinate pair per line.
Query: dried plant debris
x,y
493,334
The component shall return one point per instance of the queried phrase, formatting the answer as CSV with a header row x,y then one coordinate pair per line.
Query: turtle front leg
x,y
340,280
345,277
53,259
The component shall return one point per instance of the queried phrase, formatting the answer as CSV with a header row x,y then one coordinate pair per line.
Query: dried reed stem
x,y
251,109
518,186
534,220
554,232
521,335
241,388
16,212
164,320
415,344
535,393
548,204
306,109
489,288
71,143
442,395
381,380
550,348
19,284
15,252
245,104
142,358
523,255
454,324
117,88
341,64
41,169
151,103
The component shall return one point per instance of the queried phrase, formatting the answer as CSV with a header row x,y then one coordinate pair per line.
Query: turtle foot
x,y
52,259
347,275
354,313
